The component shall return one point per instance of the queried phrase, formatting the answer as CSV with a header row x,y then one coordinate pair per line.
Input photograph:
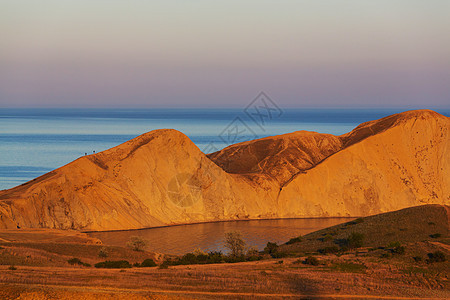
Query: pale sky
x,y
209,53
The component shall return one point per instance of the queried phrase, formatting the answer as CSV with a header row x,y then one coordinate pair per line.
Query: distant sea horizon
x,y
36,141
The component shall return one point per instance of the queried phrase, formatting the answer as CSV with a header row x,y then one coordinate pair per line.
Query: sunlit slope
x,y
162,178
155,179
396,162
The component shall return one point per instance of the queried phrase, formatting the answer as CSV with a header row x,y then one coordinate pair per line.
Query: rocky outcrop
x,y
162,178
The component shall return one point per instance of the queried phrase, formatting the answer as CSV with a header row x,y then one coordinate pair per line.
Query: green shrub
x,y
436,256
349,267
189,259
396,247
355,240
117,264
12,268
163,266
399,250
235,243
215,257
327,237
311,260
386,255
253,257
393,244
202,258
103,253
356,221
75,261
435,235
271,248
327,250
137,243
234,259
417,258
294,240
148,263
279,254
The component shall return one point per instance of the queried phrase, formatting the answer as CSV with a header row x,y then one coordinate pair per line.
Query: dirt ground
x,y
335,277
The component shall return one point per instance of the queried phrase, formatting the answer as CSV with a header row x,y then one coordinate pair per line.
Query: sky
x,y
205,53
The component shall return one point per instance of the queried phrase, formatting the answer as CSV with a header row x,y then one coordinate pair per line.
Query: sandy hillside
x,y
162,178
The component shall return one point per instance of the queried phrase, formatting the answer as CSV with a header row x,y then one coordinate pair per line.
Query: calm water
x,y
36,141
209,236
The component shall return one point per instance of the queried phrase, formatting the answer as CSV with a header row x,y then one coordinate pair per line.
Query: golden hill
x,y
162,178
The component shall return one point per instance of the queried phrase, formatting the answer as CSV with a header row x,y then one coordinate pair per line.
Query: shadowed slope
x,y
278,157
413,224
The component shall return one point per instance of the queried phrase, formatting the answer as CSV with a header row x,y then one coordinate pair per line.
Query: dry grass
x,y
42,271
261,278
407,225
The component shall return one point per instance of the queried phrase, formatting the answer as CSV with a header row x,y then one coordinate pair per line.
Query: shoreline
x,y
217,221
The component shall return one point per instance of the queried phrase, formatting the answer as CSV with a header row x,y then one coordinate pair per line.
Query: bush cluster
x,y
273,250
311,260
114,264
137,243
77,261
294,240
211,258
437,256
327,250
147,263
103,253
435,235
355,240
356,221
396,248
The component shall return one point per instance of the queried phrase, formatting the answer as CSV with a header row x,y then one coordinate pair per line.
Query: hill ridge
x,y
162,178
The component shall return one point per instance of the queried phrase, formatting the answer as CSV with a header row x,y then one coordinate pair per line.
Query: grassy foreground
x,y
393,262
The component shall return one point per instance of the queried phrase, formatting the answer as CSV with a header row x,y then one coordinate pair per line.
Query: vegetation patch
x,y
118,264
356,221
148,263
103,253
435,235
349,267
417,258
137,243
328,250
77,261
311,260
294,240
396,248
415,270
437,256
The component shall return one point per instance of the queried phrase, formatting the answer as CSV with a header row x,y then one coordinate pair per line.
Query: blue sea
x,y
36,141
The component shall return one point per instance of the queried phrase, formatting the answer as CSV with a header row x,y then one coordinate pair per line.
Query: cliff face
x,y
162,178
